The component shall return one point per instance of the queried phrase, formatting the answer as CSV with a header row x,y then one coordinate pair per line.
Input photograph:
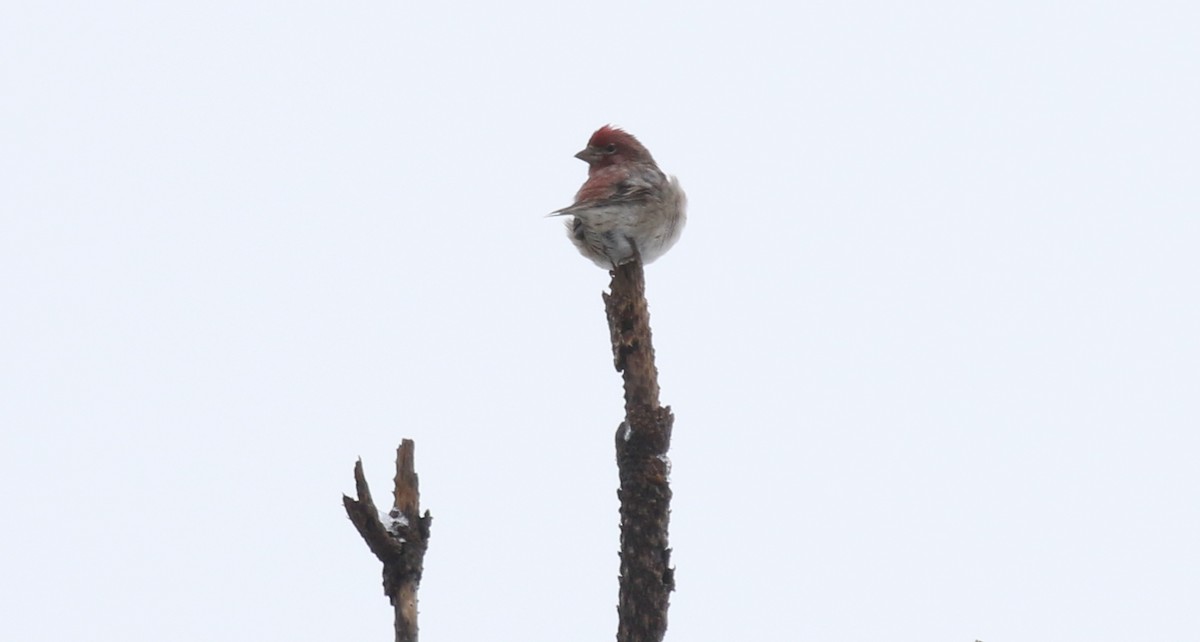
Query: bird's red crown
x,y
609,135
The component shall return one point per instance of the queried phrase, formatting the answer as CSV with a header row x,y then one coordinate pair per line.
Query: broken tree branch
x,y
398,538
643,439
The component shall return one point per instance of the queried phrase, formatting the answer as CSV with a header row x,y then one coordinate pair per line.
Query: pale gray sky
x,y
930,336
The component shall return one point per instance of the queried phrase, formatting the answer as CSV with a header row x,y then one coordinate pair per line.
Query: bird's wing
x,y
630,190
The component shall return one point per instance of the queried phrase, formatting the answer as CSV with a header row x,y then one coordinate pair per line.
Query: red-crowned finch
x,y
627,202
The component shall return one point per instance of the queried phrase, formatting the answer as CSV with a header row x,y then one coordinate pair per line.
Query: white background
x,y
930,335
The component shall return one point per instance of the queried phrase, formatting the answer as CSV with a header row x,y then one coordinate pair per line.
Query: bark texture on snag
x,y
642,440
399,544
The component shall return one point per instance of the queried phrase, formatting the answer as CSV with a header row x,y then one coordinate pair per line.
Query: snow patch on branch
x,y
395,523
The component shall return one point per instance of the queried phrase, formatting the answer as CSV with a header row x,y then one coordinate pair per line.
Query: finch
x,y
627,207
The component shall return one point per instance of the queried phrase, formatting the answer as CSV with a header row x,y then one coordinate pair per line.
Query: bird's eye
x,y
610,148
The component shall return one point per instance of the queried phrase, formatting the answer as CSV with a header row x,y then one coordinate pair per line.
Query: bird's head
x,y
613,146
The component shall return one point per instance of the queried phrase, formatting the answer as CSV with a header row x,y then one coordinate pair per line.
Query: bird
x,y
627,207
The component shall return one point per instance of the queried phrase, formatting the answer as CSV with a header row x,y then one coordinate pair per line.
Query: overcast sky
x,y
931,334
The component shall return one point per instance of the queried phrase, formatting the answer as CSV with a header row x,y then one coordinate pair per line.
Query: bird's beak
x,y
588,155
